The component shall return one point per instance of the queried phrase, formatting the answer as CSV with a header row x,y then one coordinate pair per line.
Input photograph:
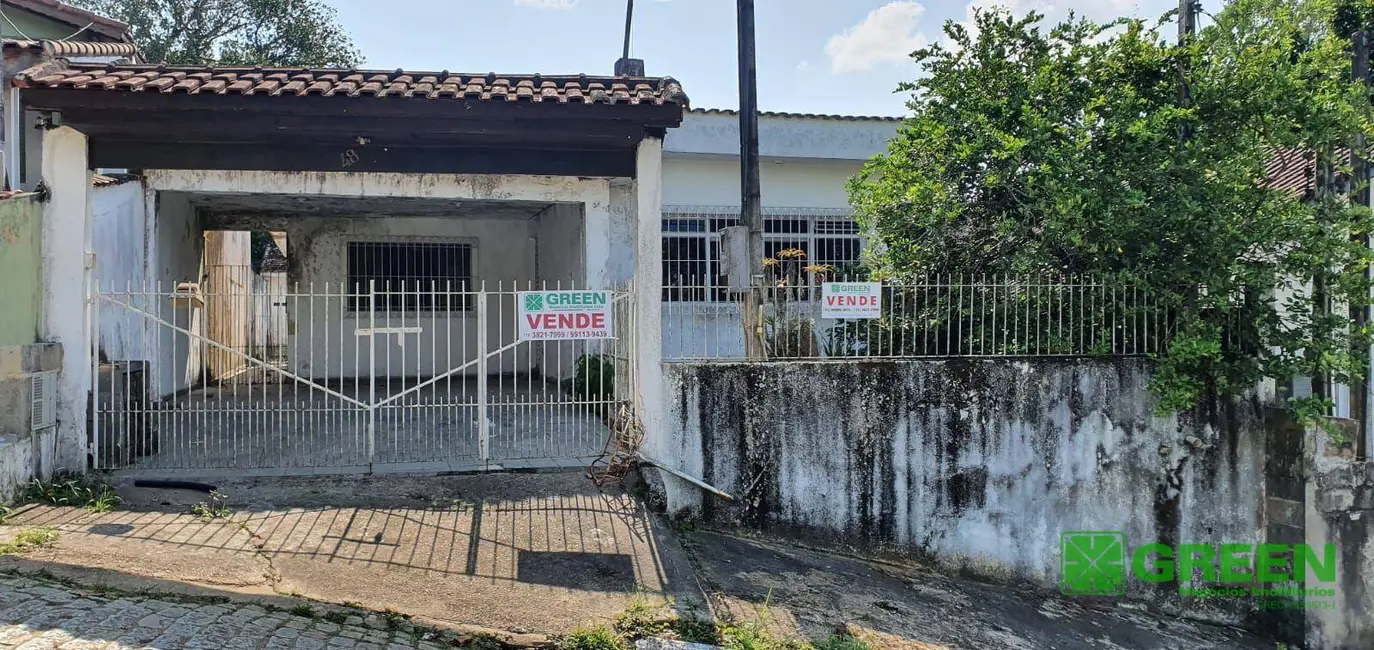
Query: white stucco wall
x,y
810,138
118,231
177,246
66,244
692,181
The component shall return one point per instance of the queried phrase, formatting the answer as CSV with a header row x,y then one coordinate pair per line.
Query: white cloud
x,y
1055,11
548,4
887,35
805,66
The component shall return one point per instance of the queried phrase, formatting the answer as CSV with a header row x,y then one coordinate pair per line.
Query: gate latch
x,y
398,332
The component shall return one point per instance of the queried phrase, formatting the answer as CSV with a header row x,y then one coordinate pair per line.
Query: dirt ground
x,y
546,553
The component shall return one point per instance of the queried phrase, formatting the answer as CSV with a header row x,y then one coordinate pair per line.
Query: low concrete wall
x,y
23,453
978,463
1340,511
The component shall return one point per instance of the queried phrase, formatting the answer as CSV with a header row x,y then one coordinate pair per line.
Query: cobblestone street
x,y
41,615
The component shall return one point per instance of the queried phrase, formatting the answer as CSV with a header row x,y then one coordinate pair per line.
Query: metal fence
x,y
179,385
953,316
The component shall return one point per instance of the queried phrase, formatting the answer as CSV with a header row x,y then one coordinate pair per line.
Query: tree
x,y
1062,150
271,33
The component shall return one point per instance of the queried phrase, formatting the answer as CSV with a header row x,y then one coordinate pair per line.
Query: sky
x,y
814,56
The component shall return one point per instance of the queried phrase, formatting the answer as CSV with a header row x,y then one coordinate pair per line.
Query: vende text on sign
x,y
852,300
566,315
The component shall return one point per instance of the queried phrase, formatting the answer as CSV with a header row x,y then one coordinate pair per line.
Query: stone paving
x,y
40,615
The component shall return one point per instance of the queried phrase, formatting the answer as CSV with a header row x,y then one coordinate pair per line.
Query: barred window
x,y
409,276
691,249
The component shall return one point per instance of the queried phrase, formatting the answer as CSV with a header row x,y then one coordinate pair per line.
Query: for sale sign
x,y
852,300
565,315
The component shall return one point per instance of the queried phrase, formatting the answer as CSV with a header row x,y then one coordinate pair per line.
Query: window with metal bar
x,y
691,249
410,276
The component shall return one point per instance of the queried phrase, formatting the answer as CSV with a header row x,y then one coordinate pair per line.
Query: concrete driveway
x,y
540,552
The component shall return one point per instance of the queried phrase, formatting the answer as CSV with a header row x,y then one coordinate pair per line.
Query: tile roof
x,y
74,48
561,89
800,116
1296,170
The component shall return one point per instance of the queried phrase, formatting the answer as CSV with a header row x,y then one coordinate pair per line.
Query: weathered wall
x,y
24,453
118,238
983,463
1340,511
782,137
178,243
321,333
21,269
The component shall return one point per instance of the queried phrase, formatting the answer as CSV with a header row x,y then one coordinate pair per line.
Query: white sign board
x,y
564,315
852,300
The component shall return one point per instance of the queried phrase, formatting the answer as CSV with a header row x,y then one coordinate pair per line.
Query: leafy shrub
x,y
593,638
74,491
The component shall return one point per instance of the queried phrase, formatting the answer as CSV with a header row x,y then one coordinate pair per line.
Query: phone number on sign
x,y
580,334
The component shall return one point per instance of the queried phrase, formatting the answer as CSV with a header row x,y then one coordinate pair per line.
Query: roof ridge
x,y
791,115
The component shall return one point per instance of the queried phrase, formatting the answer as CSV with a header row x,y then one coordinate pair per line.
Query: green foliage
x,y
593,638
5,513
593,378
272,33
75,491
336,617
643,618
1047,151
216,507
841,642
28,540
303,610
394,619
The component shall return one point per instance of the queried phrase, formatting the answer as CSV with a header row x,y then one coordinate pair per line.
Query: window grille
x,y
410,276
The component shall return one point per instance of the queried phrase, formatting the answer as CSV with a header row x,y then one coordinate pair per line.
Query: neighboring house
x,y
35,31
806,162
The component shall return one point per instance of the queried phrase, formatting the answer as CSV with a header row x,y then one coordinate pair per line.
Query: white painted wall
x,y
66,242
694,181
809,138
118,230
177,247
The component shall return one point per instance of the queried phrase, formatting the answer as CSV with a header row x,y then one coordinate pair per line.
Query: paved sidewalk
x,y
40,615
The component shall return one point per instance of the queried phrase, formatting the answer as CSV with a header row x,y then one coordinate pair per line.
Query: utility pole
x,y
751,213
1363,314
1187,29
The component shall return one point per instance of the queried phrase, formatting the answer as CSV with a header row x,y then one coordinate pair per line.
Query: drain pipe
x,y
686,477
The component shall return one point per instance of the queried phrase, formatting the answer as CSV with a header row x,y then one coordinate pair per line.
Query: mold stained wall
x,y
981,463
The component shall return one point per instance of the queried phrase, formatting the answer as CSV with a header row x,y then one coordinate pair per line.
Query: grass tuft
x,y
74,491
599,637
28,540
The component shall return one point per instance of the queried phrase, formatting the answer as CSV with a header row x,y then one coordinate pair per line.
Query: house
x,y
806,162
411,210
33,31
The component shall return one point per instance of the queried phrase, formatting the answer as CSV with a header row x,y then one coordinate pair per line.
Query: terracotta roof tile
x,y
295,82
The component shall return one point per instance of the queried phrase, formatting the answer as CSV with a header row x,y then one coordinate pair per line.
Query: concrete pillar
x,y
66,244
651,403
596,235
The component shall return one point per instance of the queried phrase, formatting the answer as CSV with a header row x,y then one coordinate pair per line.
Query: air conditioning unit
x,y
43,398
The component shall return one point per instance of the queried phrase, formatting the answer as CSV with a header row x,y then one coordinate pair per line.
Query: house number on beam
x,y
398,332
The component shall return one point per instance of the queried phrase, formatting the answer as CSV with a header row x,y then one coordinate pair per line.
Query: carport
x,y
413,210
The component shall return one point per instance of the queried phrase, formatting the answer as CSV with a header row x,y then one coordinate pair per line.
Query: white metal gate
x,y
405,378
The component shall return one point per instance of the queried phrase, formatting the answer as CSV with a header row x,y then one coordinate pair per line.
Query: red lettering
x,y
599,321
550,321
565,321
532,320
830,301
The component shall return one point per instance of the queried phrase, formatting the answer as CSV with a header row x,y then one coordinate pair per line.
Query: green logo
x,y
1092,564
534,302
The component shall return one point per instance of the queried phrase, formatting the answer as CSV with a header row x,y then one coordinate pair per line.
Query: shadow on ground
x,y
533,552
807,594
